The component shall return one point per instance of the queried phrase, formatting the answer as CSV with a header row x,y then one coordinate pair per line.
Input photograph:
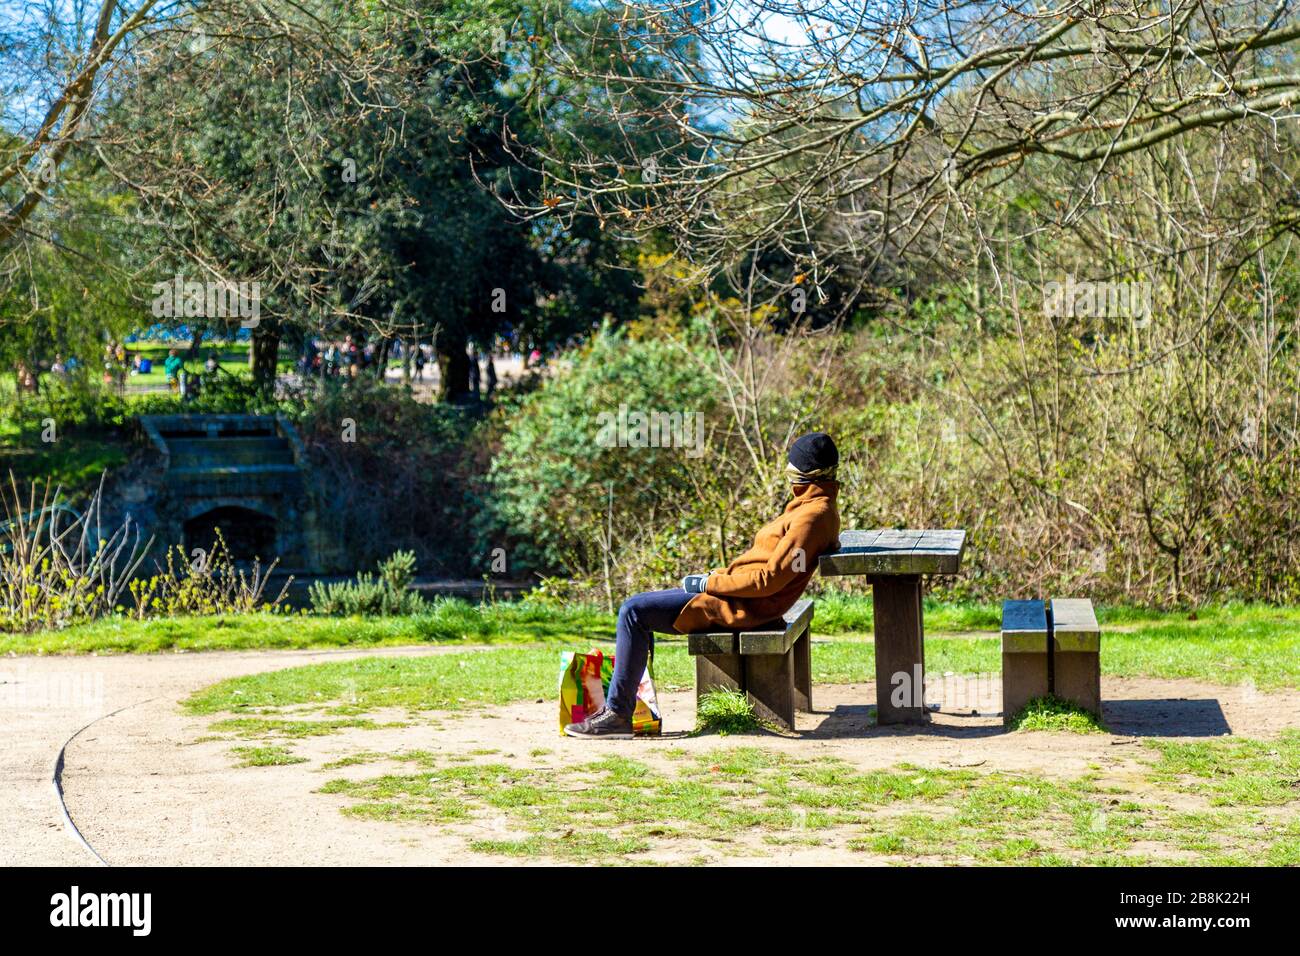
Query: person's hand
x,y
694,583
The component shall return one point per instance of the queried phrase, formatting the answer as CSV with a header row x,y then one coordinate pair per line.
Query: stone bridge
x,y
245,475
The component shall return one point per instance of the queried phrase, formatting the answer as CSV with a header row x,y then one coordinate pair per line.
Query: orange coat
x,y
765,581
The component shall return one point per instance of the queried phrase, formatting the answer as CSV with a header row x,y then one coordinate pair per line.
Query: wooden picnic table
x,y
893,561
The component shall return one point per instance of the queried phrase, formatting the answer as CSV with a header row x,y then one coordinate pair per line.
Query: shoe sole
x,y
571,733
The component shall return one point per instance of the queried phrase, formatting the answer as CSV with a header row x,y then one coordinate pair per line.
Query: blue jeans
x,y
639,619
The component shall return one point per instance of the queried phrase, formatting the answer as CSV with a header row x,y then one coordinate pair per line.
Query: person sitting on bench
x,y
757,588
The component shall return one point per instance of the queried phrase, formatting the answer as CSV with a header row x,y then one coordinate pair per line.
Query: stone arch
x,y
249,532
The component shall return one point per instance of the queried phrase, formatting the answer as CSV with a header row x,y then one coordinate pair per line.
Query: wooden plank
x,y
890,551
1024,677
778,642
1074,626
1077,678
857,539
1024,627
755,643
718,672
724,643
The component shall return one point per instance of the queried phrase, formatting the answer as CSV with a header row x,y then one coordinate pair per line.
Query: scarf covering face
x,y
798,477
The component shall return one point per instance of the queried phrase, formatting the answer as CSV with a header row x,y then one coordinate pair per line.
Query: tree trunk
x,y
453,364
264,353
196,340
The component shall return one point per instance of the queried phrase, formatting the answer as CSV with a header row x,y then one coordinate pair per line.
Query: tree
x,y
853,133
354,170
33,157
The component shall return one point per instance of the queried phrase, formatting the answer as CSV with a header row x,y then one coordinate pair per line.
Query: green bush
x,y
552,483
383,595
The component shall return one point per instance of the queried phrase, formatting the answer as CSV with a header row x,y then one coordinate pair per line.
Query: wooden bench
x,y
1050,648
772,666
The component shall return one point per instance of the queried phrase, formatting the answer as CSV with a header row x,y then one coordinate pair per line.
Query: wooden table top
x,y
889,552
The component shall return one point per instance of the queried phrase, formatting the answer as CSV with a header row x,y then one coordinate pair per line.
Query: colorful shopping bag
x,y
584,681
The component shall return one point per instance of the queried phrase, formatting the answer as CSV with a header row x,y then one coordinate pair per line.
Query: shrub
x,y
55,568
556,494
383,595
210,584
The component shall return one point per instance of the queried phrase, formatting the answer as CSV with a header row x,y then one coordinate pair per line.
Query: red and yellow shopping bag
x,y
584,681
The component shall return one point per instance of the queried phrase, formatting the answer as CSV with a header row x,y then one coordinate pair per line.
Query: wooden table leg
x,y
900,649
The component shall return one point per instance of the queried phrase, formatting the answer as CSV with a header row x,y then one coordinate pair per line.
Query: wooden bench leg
x,y
718,672
803,673
769,682
900,660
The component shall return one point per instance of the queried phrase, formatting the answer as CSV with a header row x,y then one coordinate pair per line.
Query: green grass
x,y
1052,713
442,682
1230,644
746,799
274,756
1234,772
448,621
726,712
292,729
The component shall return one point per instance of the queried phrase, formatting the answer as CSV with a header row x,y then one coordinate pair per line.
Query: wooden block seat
x,y
1076,653
1024,655
1050,648
770,665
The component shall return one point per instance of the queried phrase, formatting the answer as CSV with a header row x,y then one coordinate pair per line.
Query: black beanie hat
x,y
814,451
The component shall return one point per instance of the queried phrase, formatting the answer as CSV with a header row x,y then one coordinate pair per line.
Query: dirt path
x,y
45,700
145,787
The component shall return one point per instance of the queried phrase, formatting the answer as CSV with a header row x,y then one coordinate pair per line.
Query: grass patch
x,y
726,712
1234,772
442,682
1052,713
448,621
1228,644
297,729
273,756
746,800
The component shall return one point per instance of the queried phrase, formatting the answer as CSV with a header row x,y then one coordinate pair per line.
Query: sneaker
x,y
603,723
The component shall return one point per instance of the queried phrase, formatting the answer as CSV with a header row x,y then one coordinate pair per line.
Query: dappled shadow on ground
x,y
1169,717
